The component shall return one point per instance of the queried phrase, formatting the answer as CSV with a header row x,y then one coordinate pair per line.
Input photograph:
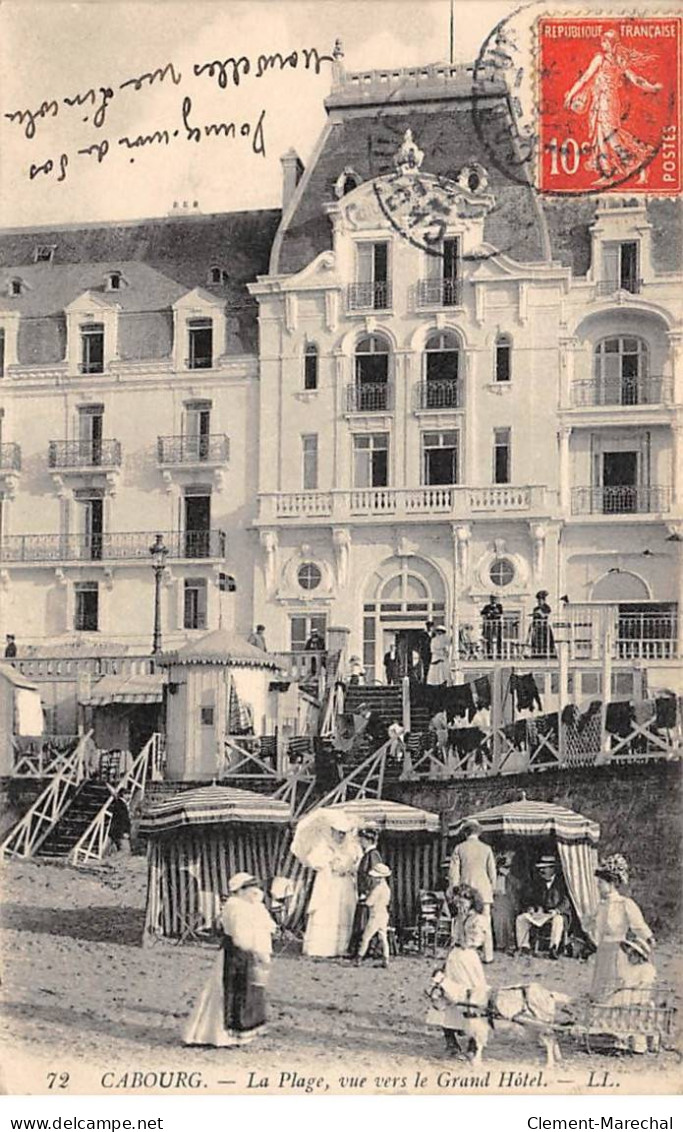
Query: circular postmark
x,y
421,191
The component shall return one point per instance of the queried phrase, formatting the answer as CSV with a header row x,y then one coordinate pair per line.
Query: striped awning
x,y
533,819
132,689
391,816
213,805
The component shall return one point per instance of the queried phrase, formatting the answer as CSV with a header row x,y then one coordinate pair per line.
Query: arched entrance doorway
x,y
400,597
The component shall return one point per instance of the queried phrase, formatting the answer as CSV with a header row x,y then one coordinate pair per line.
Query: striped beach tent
x,y
197,839
575,836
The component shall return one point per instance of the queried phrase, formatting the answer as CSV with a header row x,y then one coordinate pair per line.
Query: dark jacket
x,y
370,858
551,898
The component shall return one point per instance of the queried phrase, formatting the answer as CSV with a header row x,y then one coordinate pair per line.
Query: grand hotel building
x,y
357,412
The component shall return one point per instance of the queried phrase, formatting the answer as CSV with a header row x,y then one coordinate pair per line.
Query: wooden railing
x,y
46,762
30,832
92,845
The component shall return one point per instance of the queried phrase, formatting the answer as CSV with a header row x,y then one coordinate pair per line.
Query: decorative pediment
x,y
198,300
87,303
321,272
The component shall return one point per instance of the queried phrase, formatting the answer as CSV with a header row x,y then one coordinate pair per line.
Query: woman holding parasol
x,y
325,841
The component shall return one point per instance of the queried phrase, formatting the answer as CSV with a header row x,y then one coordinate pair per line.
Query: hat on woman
x,y
439,628
542,594
379,870
240,881
637,947
613,869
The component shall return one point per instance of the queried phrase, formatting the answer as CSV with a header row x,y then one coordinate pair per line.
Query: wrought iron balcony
x,y
368,296
179,450
111,546
621,500
605,287
622,391
439,395
10,458
439,293
79,454
369,397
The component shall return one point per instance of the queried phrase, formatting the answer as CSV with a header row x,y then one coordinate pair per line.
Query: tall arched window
x,y
311,366
370,392
503,358
621,372
441,387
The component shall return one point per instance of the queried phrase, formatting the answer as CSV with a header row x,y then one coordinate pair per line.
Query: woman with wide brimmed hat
x,y
439,665
326,841
232,1008
542,639
619,919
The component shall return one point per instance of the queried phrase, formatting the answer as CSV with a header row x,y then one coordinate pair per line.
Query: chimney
x,y
292,169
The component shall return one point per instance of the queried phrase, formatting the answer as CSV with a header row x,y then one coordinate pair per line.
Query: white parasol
x,y
314,832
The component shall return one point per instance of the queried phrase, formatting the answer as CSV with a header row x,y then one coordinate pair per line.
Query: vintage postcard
x,y
341,547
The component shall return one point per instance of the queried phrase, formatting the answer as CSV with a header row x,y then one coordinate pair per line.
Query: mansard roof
x,y
160,259
366,140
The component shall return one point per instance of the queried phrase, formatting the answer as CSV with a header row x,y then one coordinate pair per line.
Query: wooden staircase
x,y
88,798
385,700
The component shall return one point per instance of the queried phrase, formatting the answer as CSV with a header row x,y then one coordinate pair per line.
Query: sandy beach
x,y
81,996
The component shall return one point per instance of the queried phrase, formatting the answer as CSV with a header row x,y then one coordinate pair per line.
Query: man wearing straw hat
x,y
377,902
549,904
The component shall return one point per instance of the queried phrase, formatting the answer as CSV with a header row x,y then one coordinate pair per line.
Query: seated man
x,y
548,904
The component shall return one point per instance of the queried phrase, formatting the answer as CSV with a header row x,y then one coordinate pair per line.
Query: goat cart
x,y
634,1024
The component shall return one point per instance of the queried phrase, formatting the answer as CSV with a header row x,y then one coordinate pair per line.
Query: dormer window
x,y
620,267
200,343
92,347
217,276
16,286
114,281
346,182
44,253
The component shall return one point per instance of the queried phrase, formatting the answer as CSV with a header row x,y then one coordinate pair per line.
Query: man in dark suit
x,y
547,903
424,647
368,838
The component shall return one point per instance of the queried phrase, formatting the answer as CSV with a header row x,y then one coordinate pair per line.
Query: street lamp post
x,y
159,554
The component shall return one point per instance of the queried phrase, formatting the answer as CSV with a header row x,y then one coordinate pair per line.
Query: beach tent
x,y
197,839
575,837
410,844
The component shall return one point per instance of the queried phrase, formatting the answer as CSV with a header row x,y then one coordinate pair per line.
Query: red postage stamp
x,y
609,104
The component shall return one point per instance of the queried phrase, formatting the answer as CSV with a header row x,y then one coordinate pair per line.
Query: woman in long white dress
x,y
232,1008
332,905
618,920
440,663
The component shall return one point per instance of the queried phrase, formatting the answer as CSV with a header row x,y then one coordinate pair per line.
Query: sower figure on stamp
x,y
474,864
368,838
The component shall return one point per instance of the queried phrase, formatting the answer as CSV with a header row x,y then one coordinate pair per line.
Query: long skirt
x,y
231,1010
331,911
463,968
611,971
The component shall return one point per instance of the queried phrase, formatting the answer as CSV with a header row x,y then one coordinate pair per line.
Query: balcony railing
x,y
64,454
606,287
177,450
438,395
10,458
439,293
453,501
622,391
368,296
621,500
369,397
646,636
117,546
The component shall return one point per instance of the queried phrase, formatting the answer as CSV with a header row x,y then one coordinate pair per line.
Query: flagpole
x,y
452,30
